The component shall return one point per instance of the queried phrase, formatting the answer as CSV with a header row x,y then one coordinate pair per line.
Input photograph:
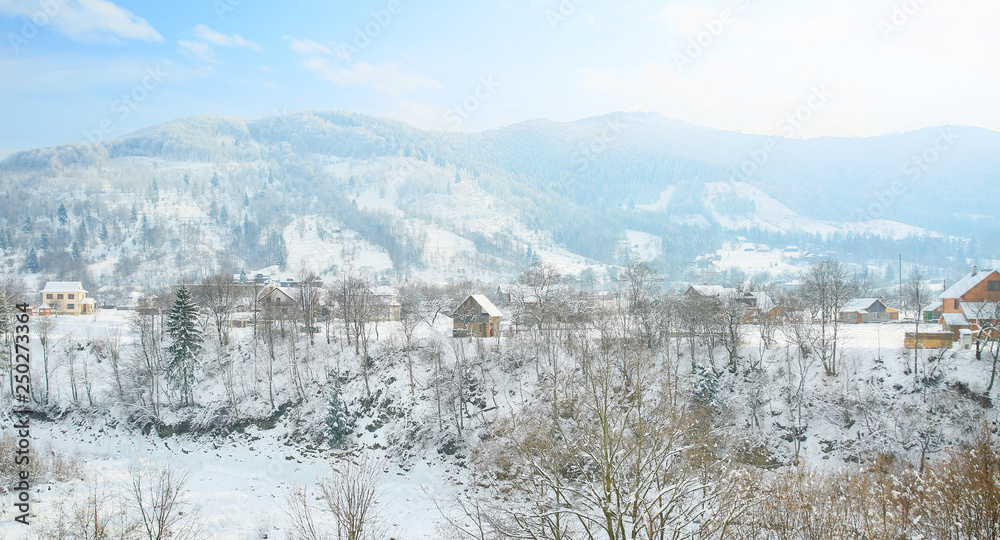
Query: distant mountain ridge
x,y
577,185
918,177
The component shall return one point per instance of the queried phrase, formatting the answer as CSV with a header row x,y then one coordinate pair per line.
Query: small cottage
x,y
867,310
476,316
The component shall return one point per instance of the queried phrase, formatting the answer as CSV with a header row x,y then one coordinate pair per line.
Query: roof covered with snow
x,y
270,290
487,306
933,306
981,310
966,284
711,290
954,319
63,286
859,305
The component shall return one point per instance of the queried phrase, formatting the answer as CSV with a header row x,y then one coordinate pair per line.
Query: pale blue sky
x,y
78,69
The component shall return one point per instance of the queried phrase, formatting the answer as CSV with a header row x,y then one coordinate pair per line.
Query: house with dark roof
x,y
867,310
972,303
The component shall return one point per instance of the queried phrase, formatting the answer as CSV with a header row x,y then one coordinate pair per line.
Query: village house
x,y
476,316
387,302
66,298
867,310
931,313
972,303
275,301
711,291
762,308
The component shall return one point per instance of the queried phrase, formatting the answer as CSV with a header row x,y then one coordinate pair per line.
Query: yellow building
x,y
67,298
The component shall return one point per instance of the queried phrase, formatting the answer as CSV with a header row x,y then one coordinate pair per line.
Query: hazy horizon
x,y
76,71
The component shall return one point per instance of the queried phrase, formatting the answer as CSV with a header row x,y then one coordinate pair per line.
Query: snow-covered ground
x,y
240,479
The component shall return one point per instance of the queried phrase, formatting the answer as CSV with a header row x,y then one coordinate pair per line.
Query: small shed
x,y
476,316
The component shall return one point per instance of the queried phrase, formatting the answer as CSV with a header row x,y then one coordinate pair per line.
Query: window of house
x,y
48,296
70,306
59,297
70,296
994,286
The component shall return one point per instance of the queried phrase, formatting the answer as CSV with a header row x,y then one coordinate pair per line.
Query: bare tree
x,y
147,325
987,336
411,315
827,288
309,297
353,496
538,289
359,307
43,329
157,496
614,464
300,513
109,348
731,318
915,296
220,296
102,514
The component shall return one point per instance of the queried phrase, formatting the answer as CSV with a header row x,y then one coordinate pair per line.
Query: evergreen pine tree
x,y
104,233
186,340
63,215
43,241
336,420
215,180
31,263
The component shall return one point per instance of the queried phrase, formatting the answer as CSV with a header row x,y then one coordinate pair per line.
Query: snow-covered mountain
x,y
347,189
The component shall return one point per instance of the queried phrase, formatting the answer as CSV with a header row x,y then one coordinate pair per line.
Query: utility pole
x,y
900,275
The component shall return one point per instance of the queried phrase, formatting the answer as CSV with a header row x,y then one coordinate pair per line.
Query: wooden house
x,y
932,312
972,303
476,316
762,308
867,310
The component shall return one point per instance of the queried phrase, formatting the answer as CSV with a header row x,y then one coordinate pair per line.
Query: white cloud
x,y
385,78
197,50
308,47
84,20
935,66
208,35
